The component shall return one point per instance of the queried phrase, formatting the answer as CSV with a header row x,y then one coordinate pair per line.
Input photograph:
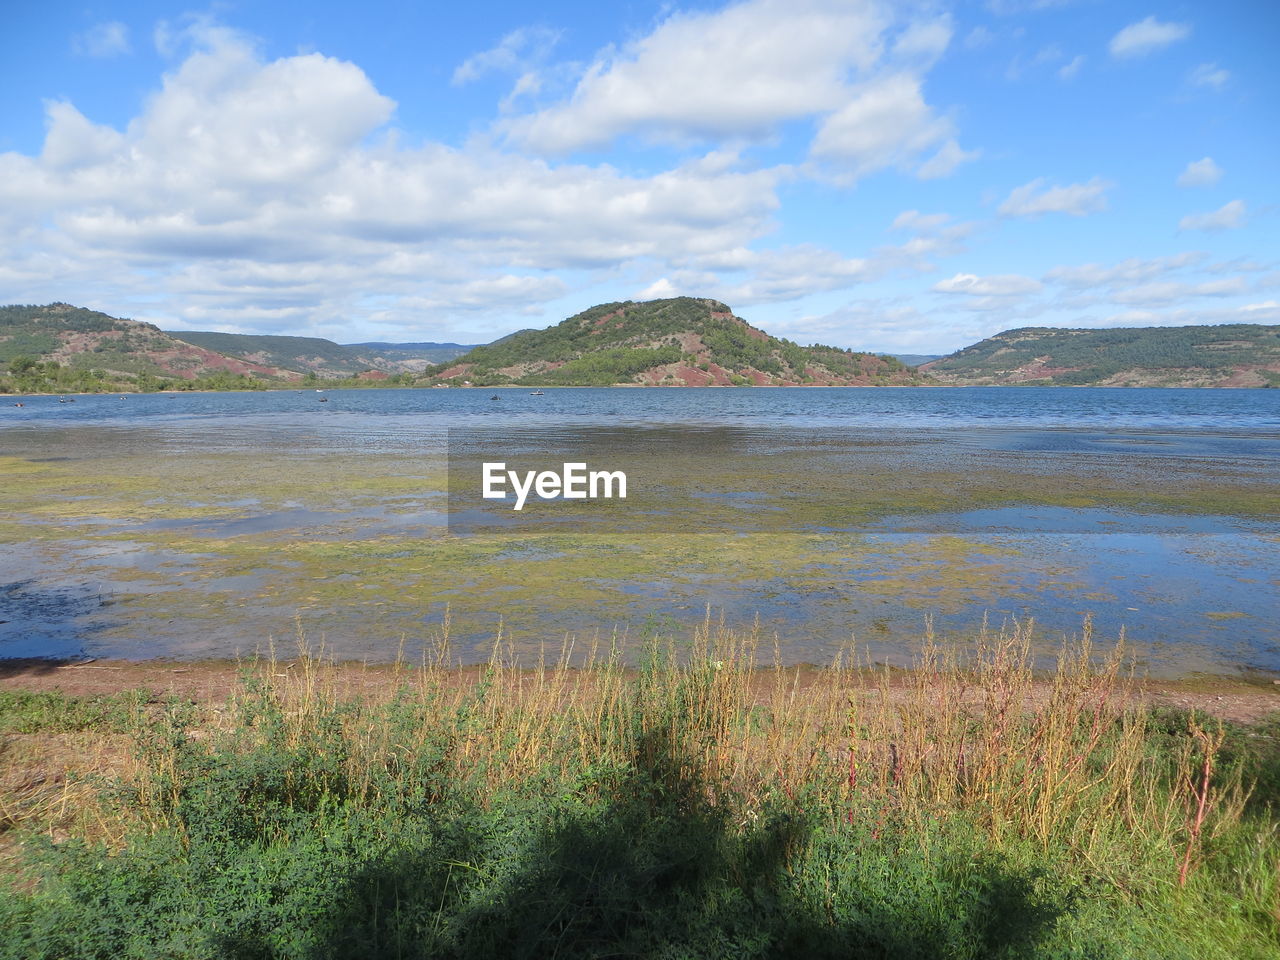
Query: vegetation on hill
x,y
1239,354
680,341
430,352
59,348
916,359
324,358
699,809
292,353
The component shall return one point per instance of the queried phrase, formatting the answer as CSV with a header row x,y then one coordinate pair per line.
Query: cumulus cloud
x,y
744,70
1147,36
1036,198
273,194
103,40
1227,217
886,123
745,277
1200,173
732,72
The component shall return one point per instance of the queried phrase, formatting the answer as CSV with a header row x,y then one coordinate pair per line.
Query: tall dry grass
x,y
1063,759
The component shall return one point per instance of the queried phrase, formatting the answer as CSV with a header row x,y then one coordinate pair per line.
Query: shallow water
x,y
202,525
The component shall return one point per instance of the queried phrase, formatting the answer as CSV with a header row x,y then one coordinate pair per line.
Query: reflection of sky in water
x,y
1191,591
1186,601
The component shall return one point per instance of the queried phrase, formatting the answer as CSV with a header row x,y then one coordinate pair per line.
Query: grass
x,y
25,711
697,806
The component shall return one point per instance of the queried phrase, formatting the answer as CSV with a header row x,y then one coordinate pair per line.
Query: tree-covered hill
x,y
1228,355
427,352
324,357
684,341
61,348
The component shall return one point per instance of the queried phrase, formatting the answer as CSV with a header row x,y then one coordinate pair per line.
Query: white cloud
x,y
944,162
512,54
1068,71
1146,36
272,194
732,72
110,39
660,289
1035,198
1200,173
1006,285
1173,292
918,222
886,123
743,276
1209,75
1009,7
1227,217
924,40
856,67
1265,312
1132,270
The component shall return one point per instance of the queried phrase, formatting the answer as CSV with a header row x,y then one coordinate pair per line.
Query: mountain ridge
x,y
1223,355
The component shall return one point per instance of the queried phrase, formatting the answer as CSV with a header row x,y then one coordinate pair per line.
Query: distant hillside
x,y
86,347
679,342
916,359
324,357
428,353
1230,355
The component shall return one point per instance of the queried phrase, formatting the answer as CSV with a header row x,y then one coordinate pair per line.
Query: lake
x,y
207,525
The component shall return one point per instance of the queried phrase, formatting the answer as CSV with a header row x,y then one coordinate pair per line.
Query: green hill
x,y
324,357
61,348
683,341
1229,355
430,353
916,359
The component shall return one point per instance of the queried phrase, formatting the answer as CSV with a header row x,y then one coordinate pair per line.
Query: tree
x,y
19,365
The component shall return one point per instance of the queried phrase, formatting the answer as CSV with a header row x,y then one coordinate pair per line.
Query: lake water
x,y
197,525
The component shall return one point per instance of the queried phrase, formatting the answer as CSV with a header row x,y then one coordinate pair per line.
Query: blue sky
x,y
907,176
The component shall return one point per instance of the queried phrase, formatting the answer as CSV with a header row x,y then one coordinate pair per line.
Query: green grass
x,y
26,711
696,807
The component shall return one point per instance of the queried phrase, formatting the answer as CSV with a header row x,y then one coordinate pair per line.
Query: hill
x,y
682,341
70,348
324,357
916,359
1229,355
427,353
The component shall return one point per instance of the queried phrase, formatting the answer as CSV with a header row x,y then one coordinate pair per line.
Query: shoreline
x,y
1232,698
374,385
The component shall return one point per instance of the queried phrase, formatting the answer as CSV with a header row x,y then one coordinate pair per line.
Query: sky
x,y
891,176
